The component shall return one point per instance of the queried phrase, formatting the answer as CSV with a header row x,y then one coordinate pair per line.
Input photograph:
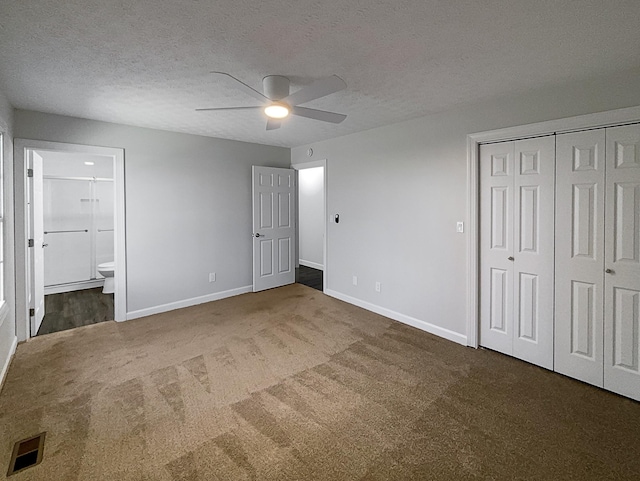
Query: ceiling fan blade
x,y
243,86
273,124
317,89
228,108
318,114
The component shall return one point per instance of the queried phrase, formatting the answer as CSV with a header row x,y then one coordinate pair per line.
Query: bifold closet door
x,y
622,262
580,197
516,248
496,246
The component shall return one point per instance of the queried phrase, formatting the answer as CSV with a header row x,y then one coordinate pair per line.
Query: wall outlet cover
x,y
212,276
460,227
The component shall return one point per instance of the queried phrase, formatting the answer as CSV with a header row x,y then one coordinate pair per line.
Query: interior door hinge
x,y
31,243
32,312
29,172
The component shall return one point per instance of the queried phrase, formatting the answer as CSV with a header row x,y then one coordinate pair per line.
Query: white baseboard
x,y
313,265
188,302
396,316
7,361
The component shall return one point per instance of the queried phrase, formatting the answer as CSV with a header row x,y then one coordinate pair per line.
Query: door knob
x,y
257,235
510,258
609,271
44,245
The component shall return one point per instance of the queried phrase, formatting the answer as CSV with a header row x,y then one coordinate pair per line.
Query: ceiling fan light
x,y
276,111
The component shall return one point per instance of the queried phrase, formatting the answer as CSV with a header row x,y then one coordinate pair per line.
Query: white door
x,y
516,248
496,246
273,227
533,242
622,262
36,255
580,177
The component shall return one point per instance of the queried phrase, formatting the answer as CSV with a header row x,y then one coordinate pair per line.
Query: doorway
x,y
311,246
72,220
77,215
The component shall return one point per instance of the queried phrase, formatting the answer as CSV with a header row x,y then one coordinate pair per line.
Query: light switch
x,y
460,227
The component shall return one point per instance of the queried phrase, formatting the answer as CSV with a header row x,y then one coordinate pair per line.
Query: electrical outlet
x,y
377,287
355,280
212,276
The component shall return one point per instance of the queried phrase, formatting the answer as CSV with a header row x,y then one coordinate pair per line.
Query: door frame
x,y
325,251
36,223
20,152
630,115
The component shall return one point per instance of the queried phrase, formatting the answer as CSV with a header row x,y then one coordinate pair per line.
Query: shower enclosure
x,y
78,223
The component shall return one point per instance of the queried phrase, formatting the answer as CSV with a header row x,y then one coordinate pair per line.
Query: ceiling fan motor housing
x,y
275,87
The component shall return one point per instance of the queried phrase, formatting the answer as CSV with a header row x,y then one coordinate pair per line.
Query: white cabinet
x,y
516,248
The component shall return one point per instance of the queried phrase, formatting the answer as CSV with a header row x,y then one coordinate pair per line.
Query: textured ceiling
x,y
146,62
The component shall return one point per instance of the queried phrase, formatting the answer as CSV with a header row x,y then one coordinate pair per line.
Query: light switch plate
x,y
460,227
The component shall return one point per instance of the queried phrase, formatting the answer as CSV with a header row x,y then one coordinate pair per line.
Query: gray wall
x,y
7,328
400,189
311,216
188,204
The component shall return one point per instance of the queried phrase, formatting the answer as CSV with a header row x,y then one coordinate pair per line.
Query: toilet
x,y
107,269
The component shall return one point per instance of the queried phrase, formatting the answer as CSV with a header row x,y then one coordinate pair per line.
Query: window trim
x,y
4,307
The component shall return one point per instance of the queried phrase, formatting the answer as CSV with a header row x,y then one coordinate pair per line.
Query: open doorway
x,y
73,218
77,217
311,195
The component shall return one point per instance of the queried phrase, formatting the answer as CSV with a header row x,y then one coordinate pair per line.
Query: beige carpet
x,y
290,384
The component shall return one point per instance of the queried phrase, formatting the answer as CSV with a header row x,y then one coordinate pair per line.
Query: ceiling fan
x,y
278,103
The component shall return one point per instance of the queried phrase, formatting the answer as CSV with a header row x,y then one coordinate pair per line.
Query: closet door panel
x,y
534,179
580,174
622,262
496,246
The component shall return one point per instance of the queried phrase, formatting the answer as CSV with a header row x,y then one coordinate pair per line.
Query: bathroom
x,y
77,218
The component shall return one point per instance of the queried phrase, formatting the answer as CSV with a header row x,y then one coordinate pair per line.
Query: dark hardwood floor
x,y
309,277
74,309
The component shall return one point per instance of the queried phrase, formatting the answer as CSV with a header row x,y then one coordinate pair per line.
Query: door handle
x,y
258,235
510,258
609,271
44,245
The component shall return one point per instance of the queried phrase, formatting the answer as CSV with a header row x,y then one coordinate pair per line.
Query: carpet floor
x,y
290,384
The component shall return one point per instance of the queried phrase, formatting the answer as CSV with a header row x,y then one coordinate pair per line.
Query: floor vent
x,y
26,453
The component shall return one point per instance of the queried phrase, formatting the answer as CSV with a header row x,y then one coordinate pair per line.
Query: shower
x,y
78,214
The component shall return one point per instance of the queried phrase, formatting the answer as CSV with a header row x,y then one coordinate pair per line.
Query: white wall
x,y
400,189
7,323
188,205
311,217
74,164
